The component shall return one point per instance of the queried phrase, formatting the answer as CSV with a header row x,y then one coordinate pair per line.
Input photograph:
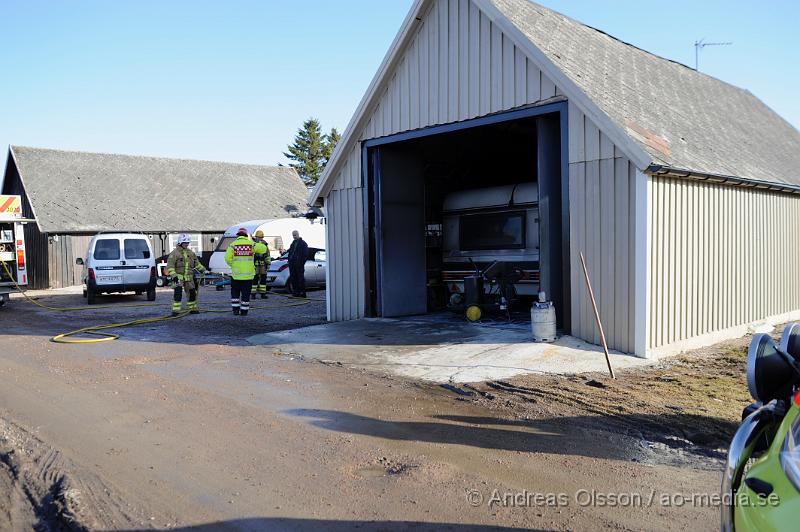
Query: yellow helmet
x,y
259,234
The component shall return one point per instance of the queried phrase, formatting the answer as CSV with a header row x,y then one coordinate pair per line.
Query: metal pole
x,y
597,317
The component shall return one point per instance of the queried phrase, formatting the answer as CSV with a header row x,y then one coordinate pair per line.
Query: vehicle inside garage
x,y
475,208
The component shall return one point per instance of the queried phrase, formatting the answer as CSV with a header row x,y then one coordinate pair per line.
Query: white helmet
x,y
183,238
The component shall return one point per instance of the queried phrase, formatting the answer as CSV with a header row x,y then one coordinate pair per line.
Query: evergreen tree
x,y
330,143
308,152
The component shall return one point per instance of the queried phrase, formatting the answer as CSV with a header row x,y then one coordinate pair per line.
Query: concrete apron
x,y
442,349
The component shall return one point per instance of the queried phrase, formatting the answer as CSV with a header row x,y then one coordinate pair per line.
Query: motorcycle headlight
x,y
790,453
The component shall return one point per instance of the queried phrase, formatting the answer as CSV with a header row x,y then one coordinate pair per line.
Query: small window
x,y
275,243
320,256
498,230
136,248
195,242
106,249
224,242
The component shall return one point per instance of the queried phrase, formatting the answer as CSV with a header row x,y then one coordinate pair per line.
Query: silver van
x,y
118,262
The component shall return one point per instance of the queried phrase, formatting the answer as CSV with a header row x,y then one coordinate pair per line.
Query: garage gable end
x,y
452,61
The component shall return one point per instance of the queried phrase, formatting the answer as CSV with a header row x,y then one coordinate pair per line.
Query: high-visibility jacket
x,y
239,257
181,263
261,253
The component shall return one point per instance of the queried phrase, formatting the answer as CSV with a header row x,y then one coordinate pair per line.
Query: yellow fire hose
x,y
105,337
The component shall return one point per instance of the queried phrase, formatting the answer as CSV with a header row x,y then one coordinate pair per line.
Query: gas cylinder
x,y
543,320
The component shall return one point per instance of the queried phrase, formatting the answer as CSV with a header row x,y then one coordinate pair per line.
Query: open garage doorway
x,y
487,195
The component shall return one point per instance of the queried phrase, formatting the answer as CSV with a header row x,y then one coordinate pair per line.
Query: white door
x,y
107,262
138,260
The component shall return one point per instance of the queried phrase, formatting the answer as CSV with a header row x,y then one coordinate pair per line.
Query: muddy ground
x,y
690,403
182,424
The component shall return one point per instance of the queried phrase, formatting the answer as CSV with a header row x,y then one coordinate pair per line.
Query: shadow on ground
x,y
562,436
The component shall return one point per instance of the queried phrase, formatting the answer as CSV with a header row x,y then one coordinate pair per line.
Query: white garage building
x,y
680,190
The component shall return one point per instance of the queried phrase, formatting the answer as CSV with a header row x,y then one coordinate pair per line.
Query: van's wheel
x,y
151,294
91,297
159,281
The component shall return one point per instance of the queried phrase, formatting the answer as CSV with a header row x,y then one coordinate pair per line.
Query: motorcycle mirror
x,y
790,340
770,373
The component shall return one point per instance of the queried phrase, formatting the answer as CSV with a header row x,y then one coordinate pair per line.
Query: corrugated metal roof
x,y
87,192
682,118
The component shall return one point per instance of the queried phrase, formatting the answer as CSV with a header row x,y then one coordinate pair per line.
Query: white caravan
x,y
277,234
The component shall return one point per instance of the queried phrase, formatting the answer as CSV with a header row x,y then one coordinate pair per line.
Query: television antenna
x,y
699,45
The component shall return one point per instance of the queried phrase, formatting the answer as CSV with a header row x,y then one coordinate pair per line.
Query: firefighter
x,y
182,266
262,260
240,257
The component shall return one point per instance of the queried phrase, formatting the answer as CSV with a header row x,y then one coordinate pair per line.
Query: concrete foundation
x,y
444,349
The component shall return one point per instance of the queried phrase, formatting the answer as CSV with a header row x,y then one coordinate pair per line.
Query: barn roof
x,y
682,118
88,192
664,115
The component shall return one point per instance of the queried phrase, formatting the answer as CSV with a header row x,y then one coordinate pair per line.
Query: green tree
x,y
330,143
307,153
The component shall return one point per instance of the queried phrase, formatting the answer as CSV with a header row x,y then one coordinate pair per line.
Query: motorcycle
x,y
761,481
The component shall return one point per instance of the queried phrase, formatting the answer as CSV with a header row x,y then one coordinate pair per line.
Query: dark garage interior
x,y
410,179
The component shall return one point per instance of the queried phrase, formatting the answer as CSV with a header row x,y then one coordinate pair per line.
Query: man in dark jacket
x,y
298,253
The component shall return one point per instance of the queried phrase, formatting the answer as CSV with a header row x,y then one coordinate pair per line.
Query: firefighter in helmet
x,y
183,266
262,260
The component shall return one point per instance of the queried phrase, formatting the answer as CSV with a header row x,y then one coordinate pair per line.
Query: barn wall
x,y
720,257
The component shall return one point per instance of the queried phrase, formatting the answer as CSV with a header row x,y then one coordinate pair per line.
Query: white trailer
x,y
12,246
488,225
277,234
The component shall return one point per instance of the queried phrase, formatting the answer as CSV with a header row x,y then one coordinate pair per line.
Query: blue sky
x,y
233,80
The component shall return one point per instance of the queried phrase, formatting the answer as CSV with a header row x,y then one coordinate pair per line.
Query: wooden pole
x,y
597,316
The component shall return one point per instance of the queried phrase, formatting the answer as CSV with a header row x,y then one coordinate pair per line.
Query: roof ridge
x,y
140,156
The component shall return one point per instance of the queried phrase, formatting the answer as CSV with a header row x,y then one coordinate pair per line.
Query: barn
x,y
74,195
679,189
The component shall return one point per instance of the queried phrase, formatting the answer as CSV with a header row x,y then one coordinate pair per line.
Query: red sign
x,y
244,250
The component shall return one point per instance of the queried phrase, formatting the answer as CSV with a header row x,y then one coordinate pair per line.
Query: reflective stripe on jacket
x,y
239,257
181,262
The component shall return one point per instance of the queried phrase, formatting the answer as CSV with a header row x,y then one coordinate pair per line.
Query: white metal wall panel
x,y
458,66
602,227
719,257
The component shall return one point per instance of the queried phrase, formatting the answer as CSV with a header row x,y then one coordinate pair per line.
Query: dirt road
x,y
182,424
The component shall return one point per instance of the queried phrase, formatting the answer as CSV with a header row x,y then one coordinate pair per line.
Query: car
x,y
278,274
116,263
761,479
